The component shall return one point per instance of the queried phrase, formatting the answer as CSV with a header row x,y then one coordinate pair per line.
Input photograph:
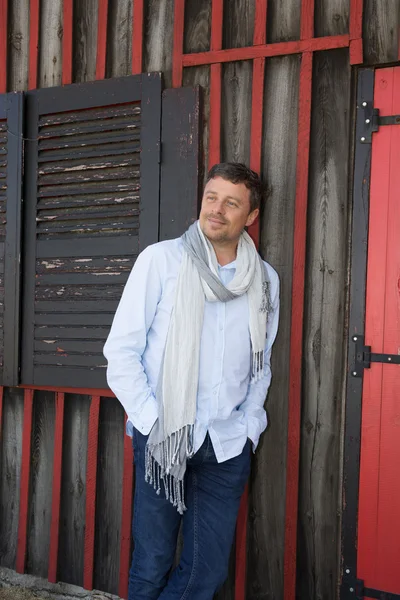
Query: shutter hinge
x,y
353,589
372,121
364,357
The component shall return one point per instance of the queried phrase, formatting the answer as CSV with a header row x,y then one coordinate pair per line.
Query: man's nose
x,y
220,207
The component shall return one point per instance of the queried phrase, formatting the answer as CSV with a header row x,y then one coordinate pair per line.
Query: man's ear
x,y
252,217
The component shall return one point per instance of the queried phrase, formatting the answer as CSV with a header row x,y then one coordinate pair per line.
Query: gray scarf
x,y
171,440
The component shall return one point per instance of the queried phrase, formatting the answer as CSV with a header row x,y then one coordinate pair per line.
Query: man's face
x,y
225,211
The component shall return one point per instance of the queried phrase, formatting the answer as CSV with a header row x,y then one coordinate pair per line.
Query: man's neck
x,y
225,253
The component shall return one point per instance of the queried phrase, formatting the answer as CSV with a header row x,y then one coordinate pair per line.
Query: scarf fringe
x,y
257,371
168,452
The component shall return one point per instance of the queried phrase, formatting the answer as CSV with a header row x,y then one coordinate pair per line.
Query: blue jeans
x,y
212,494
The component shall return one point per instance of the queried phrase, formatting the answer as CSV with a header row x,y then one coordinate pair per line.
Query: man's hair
x,y
239,173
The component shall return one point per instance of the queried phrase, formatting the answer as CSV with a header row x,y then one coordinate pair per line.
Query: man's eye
x,y
232,204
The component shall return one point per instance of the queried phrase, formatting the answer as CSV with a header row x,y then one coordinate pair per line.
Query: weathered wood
x,y
119,46
50,63
41,479
109,495
331,17
324,328
283,20
85,40
10,471
236,100
73,492
158,38
381,31
238,27
18,45
268,479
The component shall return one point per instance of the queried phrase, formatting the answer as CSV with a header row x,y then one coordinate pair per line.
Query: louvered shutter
x,y
92,176
11,112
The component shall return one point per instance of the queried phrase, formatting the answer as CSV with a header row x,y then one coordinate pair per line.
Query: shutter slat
x,y
77,164
87,175
89,139
91,114
107,150
100,125
89,200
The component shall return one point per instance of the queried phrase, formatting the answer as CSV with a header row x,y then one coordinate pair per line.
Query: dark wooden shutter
x,y
92,176
11,112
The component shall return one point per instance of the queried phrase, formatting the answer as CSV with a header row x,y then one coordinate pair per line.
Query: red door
x,y
378,544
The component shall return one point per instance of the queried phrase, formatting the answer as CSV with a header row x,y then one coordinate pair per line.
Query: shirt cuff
x,y
253,431
144,420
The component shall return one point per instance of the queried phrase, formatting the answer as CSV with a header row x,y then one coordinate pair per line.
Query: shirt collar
x,y
231,265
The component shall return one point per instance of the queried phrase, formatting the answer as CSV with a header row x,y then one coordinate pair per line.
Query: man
x,y
189,359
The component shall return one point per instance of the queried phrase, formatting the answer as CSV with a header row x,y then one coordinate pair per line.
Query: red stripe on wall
x,y
56,490
278,49
85,391
356,42
260,22
126,521
3,46
307,19
296,338
67,42
1,412
214,148
137,41
91,477
177,52
101,39
24,483
33,43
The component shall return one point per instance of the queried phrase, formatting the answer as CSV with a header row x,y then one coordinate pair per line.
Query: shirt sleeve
x,y
127,341
253,406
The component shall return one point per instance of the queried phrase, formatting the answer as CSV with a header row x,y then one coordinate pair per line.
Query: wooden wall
x,y
326,276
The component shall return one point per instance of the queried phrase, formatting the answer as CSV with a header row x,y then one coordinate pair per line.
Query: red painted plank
x,y
86,391
307,19
214,148
260,23
56,490
91,477
177,52
24,482
356,18
33,43
257,104
296,338
67,42
241,547
137,33
101,39
374,328
388,547
3,45
126,521
267,50
356,52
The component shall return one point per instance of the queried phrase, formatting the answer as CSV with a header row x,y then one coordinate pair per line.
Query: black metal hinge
x,y
364,357
372,121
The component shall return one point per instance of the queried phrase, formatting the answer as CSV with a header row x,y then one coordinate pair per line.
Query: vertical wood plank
x,y
214,150
18,62
239,23
50,46
73,489
33,43
381,27
158,38
101,39
307,19
56,488
324,327
109,493
296,338
283,20
332,17
126,518
68,16
236,116
179,25
356,31
3,45
119,43
91,475
85,41
137,33
10,473
41,460
24,485
268,480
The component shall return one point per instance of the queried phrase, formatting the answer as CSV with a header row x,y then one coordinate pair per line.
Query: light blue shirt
x,y
229,406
